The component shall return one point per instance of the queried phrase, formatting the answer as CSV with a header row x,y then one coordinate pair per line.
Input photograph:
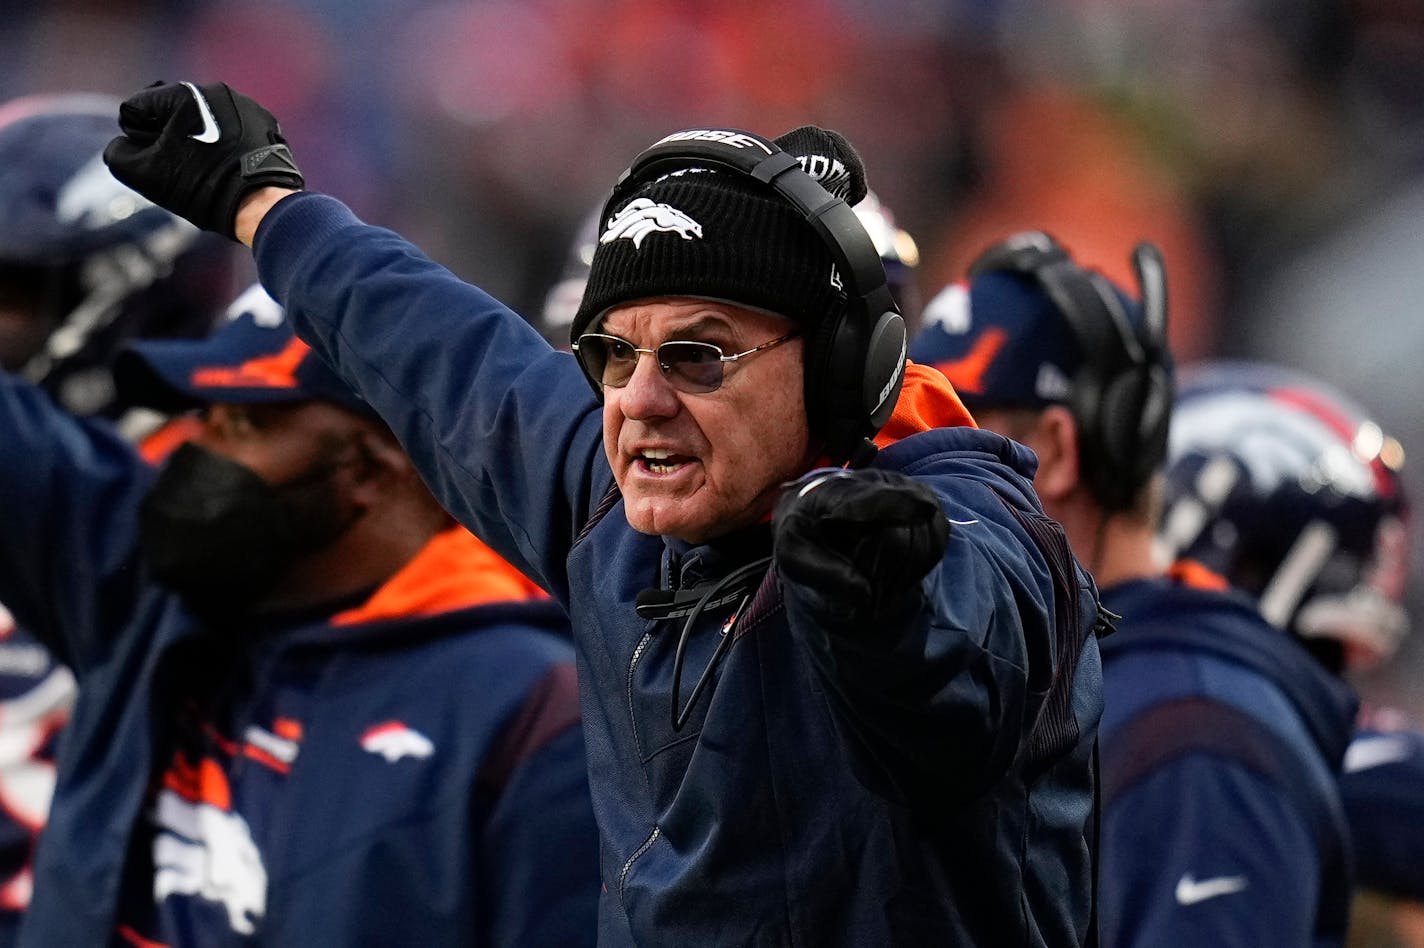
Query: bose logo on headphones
x,y
894,376
726,137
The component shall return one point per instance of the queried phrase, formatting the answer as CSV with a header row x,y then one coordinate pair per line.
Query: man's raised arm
x,y
503,428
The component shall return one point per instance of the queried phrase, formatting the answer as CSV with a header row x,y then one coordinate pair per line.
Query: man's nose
x,y
648,393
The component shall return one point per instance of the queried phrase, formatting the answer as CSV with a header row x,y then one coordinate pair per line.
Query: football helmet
x,y
1285,488
86,263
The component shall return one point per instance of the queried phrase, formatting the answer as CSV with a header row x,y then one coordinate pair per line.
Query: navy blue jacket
x,y
1221,744
1383,789
928,782
414,779
36,694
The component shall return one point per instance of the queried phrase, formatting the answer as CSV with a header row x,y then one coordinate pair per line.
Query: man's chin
x,y
656,525
669,519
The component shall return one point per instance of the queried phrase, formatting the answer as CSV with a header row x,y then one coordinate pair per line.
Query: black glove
x,y
861,539
196,150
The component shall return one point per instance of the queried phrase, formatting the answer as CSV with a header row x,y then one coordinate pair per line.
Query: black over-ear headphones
x,y
855,362
1122,395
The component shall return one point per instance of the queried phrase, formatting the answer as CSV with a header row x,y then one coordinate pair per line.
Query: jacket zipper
x,y
632,666
637,854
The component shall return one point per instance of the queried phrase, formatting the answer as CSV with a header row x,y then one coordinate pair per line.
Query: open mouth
x,y
660,461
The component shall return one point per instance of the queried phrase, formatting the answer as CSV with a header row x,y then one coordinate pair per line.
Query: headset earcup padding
x,y
853,378
1119,411
1154,423
883,370
1130,439
828,398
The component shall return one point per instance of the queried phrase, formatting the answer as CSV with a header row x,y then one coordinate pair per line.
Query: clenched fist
x,y
861,538
196,150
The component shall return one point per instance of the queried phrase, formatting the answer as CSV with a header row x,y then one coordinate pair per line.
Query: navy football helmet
x,y
1286,489
86,263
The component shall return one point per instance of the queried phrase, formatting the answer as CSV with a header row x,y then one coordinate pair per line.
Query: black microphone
x,y
675,603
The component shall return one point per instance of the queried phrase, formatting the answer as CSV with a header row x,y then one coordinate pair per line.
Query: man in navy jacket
x,y
1290,492
85,265
312,710
857,711
1222,735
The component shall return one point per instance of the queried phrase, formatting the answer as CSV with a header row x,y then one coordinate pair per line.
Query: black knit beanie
x,y
718,234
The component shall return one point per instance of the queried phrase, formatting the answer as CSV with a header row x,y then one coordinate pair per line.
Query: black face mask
x,y
220,536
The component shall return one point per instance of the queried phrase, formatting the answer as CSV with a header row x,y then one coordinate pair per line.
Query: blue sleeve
x,y
71,490
1201,851
1383,790
541,849
504,429
971,654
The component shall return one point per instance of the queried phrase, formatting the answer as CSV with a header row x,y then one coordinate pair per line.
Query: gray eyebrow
x,y
683,333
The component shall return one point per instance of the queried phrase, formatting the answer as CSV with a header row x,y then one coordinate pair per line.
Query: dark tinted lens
x,y
607,358
591,355
620,359
693,367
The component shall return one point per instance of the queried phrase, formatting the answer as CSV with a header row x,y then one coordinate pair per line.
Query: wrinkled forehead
x,y
663,317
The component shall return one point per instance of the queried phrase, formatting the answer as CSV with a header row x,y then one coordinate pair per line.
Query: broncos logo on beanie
x,y
736,238
641,217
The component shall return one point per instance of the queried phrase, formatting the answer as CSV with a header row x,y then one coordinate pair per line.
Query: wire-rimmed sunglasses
x,y
692,367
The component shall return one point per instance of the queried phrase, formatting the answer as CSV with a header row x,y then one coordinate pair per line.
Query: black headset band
x,y
1152,283
1087,303
1122,439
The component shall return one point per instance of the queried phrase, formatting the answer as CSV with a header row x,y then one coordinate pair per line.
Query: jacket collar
x,y
454,570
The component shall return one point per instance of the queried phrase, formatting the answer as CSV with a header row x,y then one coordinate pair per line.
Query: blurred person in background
x,y
85,265
899,253
561,303
1291,493
1221,817
311,709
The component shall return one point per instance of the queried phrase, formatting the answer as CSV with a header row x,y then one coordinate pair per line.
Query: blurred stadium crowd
x,y
1274,149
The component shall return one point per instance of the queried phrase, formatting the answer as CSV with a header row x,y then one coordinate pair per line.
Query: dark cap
x,y
1002,342
253,357
699,232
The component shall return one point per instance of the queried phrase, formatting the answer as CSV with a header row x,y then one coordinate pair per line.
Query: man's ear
x,y
382,460
1055,440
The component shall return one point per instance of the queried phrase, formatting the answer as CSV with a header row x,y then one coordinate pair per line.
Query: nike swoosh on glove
x,y
196,150
862,539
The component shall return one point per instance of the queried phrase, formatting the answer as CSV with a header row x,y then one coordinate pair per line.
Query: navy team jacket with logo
x,y
382,776
928,782
1221,745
